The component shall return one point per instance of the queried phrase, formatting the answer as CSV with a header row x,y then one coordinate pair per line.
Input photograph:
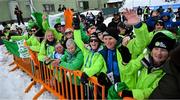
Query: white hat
x,y
13,27
68,30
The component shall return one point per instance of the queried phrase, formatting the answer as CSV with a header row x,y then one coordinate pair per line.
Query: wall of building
x,y
38,4
4,10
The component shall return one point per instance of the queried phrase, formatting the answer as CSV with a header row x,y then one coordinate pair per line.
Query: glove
x,y
104,80
76,22
125,54
127,93
115,89
84,78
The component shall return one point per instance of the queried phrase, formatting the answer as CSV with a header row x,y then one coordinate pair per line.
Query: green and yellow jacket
x,y
93,61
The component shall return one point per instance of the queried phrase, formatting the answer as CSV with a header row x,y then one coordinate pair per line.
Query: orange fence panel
x,y
61,82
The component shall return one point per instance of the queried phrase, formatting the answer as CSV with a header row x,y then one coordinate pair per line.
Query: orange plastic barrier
x,y
57,82
61,82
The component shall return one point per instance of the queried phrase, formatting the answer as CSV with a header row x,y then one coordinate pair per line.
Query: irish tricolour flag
x,y
17,48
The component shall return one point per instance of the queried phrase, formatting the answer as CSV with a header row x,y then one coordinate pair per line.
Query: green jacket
x,y
139,43
45,51
93,61
72,62
34,43
58,35
146,82
17,38
136,47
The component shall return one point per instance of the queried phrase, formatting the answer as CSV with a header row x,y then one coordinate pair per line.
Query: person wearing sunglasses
x,y
93,61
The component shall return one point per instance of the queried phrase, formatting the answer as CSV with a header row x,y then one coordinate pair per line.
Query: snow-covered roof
x,y
94,12
114,1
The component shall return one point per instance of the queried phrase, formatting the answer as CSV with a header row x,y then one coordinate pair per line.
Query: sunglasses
x,y
33,30
68,32
95,40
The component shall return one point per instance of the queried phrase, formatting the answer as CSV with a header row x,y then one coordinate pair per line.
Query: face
x,y
19,31
59,48
33,30
94,43
100,36
91,30
62,28
50,36
158,27
165,18
71,49
159,55
110,42
58,28
116,17
69,35
122,30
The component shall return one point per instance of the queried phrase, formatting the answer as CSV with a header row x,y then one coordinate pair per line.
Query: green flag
x,y
37,17
17,48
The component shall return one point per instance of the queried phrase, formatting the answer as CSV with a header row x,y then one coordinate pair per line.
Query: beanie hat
x,y
94,35
122,25
101,28
112,32
162,40
160,22
57,24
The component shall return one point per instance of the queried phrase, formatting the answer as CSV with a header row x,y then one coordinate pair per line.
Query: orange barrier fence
x,y
61,82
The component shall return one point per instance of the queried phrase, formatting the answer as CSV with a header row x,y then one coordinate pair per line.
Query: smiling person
x,y
149,65
93,61
47,46
68,34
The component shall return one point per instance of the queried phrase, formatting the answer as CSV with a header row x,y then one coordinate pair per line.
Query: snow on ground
x,y
13,84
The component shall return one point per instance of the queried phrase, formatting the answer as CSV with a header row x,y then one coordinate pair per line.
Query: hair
x,y
70,42
47,31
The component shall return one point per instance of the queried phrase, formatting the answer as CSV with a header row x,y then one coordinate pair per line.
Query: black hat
x,y
101,28
122,25
112,32
160,22
57,24
94,35
161,40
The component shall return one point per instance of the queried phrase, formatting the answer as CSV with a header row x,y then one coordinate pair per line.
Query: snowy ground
x,y
12,84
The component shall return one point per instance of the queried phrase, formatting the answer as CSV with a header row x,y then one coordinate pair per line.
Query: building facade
x,y
48,6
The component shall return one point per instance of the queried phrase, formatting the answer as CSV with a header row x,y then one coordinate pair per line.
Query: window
x,y
49,7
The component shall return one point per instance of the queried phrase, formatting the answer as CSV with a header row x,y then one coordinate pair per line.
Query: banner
x,y
57,18
17,48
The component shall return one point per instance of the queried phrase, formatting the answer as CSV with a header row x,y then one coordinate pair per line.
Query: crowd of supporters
x,y
135,56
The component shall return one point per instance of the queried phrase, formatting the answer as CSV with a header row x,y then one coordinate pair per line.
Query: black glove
x,y
127,93
84,78
104,80
76,22
125,54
